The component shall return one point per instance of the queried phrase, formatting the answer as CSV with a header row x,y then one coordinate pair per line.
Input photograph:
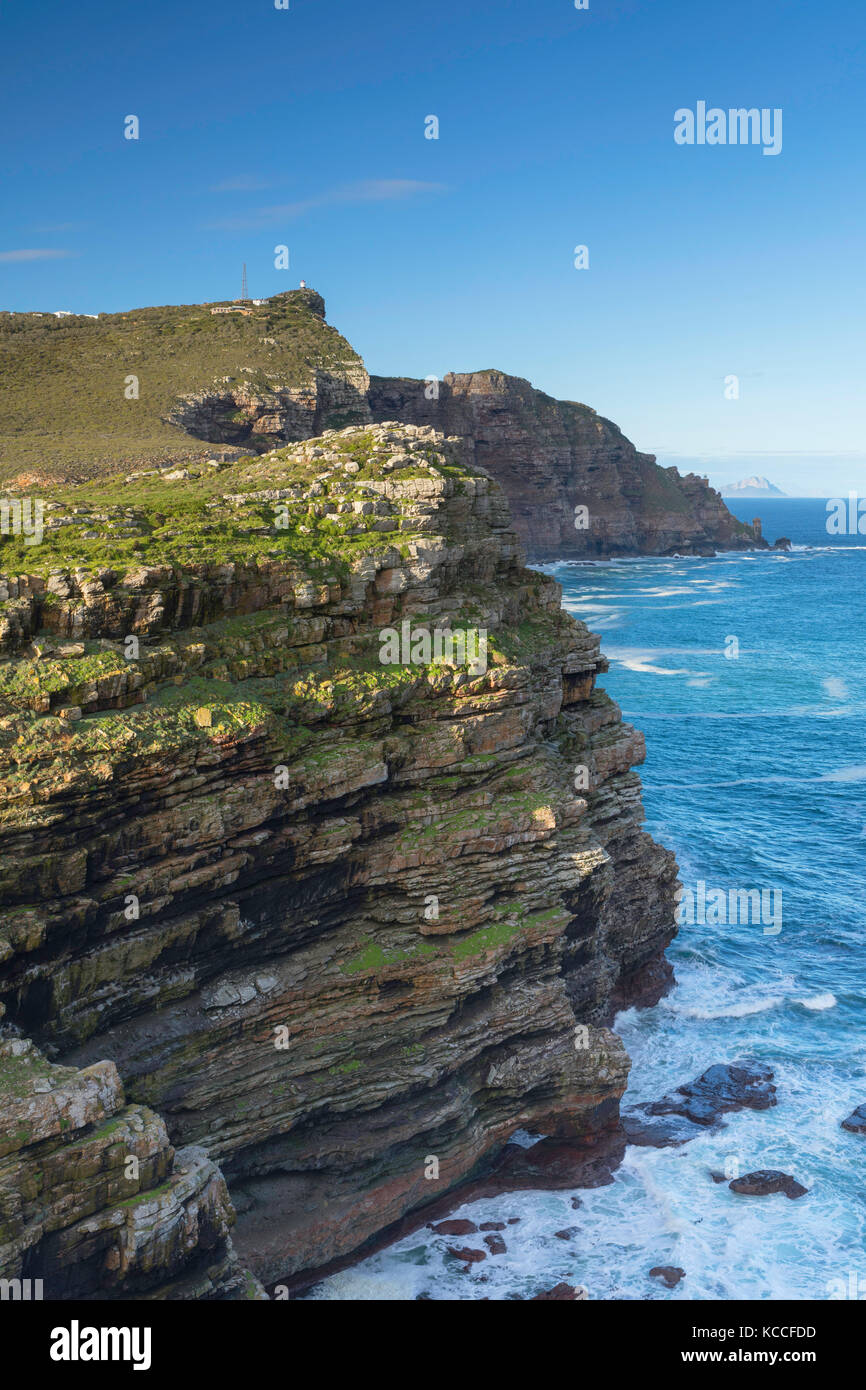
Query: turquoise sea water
x,y
756,777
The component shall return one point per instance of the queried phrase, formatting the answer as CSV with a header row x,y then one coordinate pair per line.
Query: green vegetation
x,y
259,510
375,957
64,412
149,1196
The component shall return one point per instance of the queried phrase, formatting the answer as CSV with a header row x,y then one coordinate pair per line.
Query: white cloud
x,y
366,191
35,254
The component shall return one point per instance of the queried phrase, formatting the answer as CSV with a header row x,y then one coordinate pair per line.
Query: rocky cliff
x,y
82,398
285,904
554,458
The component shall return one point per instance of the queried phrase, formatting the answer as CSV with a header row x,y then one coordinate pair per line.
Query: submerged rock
x,y
560,1293
664,1134
455,1228
671,1275
467,1254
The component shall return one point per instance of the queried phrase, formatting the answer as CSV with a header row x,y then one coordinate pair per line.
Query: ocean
x,y
747,674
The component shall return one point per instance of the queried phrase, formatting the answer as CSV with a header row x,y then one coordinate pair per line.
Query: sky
x,y
305,127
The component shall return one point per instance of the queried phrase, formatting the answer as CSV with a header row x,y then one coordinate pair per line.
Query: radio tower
x,y
244,282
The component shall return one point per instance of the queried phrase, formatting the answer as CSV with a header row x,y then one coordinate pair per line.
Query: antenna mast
x,y
244,282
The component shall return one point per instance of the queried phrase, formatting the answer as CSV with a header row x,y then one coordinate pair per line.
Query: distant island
x,y
752,487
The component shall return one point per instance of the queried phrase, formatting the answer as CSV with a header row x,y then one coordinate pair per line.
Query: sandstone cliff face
x,y
94,1200
342,927
257,412
554,456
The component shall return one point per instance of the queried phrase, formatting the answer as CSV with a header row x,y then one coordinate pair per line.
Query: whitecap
x,y
836,687
742,1010
856,772
818,1002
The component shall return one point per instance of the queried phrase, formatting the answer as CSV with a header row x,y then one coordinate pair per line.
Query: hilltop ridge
x,y
86,398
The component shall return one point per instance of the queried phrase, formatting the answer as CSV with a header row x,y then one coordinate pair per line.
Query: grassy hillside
x,y
294,505
63,409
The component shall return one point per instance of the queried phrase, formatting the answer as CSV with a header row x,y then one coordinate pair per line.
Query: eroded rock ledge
x,y
342,928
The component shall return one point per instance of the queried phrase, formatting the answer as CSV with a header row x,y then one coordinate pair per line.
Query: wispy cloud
x,y
367,191
244,183
35,254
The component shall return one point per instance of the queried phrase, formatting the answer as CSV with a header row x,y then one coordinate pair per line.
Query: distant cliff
x,y
553,457
85,398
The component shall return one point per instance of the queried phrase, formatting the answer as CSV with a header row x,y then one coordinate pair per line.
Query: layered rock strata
x,y
553,457
344,925
94,1200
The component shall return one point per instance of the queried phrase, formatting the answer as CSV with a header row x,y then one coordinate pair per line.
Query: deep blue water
x,y
756,777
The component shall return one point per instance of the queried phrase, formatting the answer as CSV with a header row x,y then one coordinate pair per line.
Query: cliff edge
x,y
86,397
298,900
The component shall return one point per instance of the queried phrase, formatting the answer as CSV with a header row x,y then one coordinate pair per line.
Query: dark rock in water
x,y
666,1134
496,1245
765,1181
513,1220
560,1293
454,1228
576,1203
736,1086
782,543
568,1233
856,1121
553,1164
669,1274
467,1254
718,1177
492,1226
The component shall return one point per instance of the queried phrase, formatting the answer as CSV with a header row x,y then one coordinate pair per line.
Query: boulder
x,y
741,1085
856,1121
765,1181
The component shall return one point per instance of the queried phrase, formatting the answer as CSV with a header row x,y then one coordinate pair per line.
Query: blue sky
x,y
305,127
